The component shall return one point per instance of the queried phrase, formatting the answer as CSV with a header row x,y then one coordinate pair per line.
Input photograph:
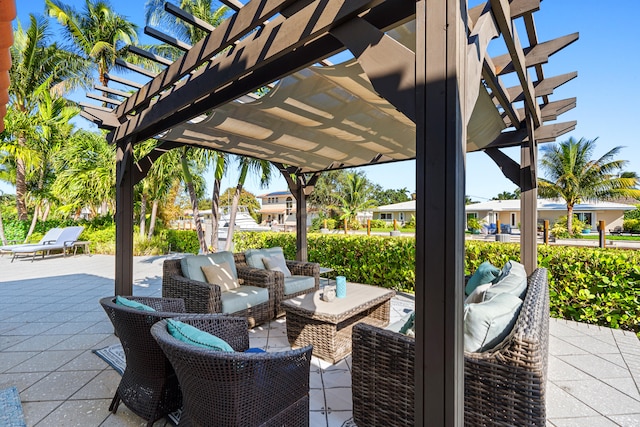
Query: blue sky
x,y
607,87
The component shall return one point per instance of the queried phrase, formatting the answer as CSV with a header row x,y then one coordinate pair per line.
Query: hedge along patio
x,y
415,99
590,285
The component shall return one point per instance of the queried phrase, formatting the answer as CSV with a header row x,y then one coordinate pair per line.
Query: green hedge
x,y
591,285
377,260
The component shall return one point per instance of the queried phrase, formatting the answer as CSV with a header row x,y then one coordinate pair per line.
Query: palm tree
x,y
86,173
99,34
262,167
52,121
354,196
38,65
574,176
220,169
205,10
193,195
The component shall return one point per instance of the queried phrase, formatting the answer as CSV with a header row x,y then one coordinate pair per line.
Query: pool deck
x,y
51,321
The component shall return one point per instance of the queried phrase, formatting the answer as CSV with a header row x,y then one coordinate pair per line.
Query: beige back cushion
x,y
220,274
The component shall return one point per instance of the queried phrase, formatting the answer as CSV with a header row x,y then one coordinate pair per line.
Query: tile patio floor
x,y
50,320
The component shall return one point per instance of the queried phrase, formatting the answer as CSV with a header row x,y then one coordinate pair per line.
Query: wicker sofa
x,y
297,268
202,297
503,387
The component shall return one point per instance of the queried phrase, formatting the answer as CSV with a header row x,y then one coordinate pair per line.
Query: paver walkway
x,y
50,320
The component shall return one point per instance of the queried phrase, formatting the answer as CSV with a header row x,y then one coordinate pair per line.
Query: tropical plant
x,y
86,173
188,178
505,195
98,33
389,196
37,66
208,11
573,176
353,197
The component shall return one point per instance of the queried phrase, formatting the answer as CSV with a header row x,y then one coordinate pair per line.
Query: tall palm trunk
x,y
36,213
3,238
570,219
194,202
21,184
152,220
234,205
220,169
215,214
143,215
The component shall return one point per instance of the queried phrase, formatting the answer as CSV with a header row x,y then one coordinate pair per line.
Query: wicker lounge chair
x,y
65,240
297,268
149,386
228,389
503,387
202,297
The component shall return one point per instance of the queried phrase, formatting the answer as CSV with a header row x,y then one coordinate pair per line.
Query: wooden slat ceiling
x,y
7,15
318,118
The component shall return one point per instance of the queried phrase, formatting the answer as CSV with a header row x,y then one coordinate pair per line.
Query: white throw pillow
x,y
488,323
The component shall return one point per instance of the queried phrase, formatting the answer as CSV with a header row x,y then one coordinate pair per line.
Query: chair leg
x,y
115,403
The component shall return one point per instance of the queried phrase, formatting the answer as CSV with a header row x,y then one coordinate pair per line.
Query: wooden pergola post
x,y
440,141
124,220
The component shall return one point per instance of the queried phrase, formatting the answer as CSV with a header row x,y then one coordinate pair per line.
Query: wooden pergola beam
x,y
545,133
253,59
112,91
553,109
502,13
542,88
230,30
536,55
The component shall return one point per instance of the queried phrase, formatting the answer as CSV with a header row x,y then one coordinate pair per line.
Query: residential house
x,y
279,209
508,212
401,212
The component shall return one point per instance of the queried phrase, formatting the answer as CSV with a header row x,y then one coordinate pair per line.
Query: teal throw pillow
x,y
192,335
133,304
409,327
485,273
488,323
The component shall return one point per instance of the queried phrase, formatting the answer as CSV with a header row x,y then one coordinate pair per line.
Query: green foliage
x,y
379,223
634,214
182,241
389,197
559,229
473,224
411,223
631,225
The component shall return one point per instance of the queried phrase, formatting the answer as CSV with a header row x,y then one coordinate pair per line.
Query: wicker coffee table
x,y
327,325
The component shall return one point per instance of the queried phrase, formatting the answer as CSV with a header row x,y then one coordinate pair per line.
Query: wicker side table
x,y
327,325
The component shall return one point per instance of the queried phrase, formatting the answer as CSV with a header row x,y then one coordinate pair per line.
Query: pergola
x,y
421,86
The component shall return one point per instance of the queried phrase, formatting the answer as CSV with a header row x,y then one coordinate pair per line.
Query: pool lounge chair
x,y
49,237
65,240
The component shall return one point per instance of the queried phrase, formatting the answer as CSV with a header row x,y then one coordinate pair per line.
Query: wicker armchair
x,y
202,297
237,389
149,386
503,387
297,268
